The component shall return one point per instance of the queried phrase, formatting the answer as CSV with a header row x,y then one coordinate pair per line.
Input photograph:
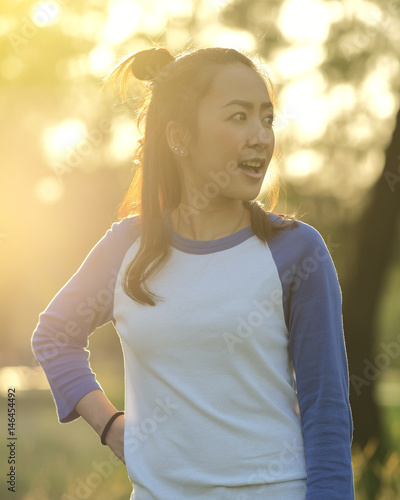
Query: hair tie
x,y
147,64
108,425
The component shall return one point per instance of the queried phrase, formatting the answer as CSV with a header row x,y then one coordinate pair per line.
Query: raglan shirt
x,y
236,382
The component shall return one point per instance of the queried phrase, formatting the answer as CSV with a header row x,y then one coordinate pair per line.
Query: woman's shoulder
x,y
121,235
128,226
294,232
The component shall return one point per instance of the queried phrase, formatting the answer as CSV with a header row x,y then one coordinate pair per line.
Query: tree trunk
x,y
375,236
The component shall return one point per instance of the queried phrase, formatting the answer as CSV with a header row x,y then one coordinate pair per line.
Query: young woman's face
x,y
234,140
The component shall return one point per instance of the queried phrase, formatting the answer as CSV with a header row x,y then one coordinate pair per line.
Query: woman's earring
x,y
176,149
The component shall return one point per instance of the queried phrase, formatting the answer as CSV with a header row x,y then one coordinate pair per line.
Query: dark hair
x,y
175,89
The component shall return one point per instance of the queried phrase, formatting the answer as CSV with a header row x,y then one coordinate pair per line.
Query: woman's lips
x,y
253,173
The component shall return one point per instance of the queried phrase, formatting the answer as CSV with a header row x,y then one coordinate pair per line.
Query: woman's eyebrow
x,y
247,105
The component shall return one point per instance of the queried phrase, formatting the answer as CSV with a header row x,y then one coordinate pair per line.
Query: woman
x,y
217,302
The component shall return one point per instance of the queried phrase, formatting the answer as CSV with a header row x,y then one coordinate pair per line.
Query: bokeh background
x,y
66,153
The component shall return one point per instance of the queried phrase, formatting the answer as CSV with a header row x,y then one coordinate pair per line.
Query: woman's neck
x,y
210,223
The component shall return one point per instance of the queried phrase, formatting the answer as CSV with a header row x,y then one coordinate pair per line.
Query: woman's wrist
x,y
108,425
96,409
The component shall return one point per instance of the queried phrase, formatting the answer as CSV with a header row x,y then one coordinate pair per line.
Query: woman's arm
x,y
319,358
97,410
313,313
86,302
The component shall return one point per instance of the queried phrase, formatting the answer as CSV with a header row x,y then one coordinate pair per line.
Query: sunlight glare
x,y
304,100
303,163
92,23
72,24
154,23
224,37
154,17
60,139
304,21
298,60
123,19
176,38
124,139
7,24
45,13
376,93
49,190
342,97
25,378
101,59
179,8
9,377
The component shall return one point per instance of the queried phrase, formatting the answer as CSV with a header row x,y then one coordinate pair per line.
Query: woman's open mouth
x,y
253,168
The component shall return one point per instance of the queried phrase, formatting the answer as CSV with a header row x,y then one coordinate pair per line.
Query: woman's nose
x,y
260,136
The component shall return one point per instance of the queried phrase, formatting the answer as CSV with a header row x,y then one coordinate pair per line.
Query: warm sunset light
x,y
123,19
301,164
49,190
62,138
101,59
23,377
306,21
256,322
124,139
45,13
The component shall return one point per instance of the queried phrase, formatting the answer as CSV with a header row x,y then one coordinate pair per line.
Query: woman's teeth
x,y
252,168
254,165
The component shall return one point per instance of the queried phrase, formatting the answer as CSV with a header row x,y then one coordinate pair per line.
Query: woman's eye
x,y
239,116
269,120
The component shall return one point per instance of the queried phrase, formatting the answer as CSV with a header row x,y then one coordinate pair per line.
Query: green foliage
x,y
366,465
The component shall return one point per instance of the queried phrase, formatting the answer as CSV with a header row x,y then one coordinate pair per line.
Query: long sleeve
x,y
86,302
312,304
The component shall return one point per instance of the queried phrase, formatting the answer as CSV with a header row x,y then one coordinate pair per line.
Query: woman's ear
x,y
177,139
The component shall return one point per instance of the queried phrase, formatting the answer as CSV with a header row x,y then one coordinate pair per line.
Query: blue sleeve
x,y
313,312
60,339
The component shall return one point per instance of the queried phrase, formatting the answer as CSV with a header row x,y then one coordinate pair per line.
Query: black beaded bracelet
x,y
108,425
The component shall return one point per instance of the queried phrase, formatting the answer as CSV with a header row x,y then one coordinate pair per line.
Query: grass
x,y
67,462
388,472
60,461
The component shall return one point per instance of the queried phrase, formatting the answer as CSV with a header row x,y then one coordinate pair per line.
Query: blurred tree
x,y
368,42
376,233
